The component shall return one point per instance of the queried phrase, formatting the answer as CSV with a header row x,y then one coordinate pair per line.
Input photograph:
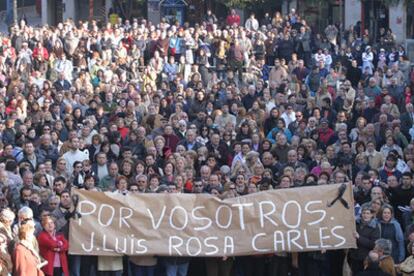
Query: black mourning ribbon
x,y
341,191
75,201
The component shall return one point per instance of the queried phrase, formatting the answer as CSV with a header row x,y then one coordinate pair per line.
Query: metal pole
x,y
91,9
15,11
341,23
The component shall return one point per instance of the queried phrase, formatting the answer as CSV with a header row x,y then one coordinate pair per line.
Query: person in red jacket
x,y
325,133
53,248
233,18
41,51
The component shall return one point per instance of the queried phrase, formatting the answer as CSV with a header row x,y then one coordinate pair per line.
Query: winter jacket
x,y
398,251
368,234
47,246
47,152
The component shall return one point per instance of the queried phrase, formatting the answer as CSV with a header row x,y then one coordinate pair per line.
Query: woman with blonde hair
x,y
180,165
7,217
26,258
252,160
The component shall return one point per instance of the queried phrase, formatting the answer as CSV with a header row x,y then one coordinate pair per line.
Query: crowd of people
x,y
223,108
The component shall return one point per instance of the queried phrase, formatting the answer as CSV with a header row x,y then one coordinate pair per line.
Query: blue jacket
x,y
384,176
272,134
399,238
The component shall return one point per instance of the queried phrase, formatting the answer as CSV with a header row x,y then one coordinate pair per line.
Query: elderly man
x,y
107,183
47,150
383,248
190,142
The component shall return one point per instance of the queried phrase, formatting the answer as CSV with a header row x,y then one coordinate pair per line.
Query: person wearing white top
x,y
327,59
289,115
74,154
251,23
367,59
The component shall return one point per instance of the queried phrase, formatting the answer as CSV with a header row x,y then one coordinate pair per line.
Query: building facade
x,y
373,15
55,11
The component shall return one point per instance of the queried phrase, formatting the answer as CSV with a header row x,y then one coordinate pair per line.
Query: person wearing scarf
x,y
367,232
26,259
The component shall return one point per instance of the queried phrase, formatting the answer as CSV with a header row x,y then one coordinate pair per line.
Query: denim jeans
x,y
176,269
75,265
139,270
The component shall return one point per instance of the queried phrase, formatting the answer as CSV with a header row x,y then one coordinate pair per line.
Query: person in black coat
x,y
219,148
285,48
271,121
353,73
62,84
367,232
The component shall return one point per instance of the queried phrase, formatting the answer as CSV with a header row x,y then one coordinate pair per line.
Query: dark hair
x,y
409,174
386,206
360,143
76,163
59,178
65,191
409,247
326,174
11,165
24,189
366,177
89,176
309,176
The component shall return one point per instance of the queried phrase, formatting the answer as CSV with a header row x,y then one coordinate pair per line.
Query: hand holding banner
x,y
289,220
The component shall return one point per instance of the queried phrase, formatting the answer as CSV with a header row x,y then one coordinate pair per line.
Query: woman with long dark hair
x,y
271,121
390,229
